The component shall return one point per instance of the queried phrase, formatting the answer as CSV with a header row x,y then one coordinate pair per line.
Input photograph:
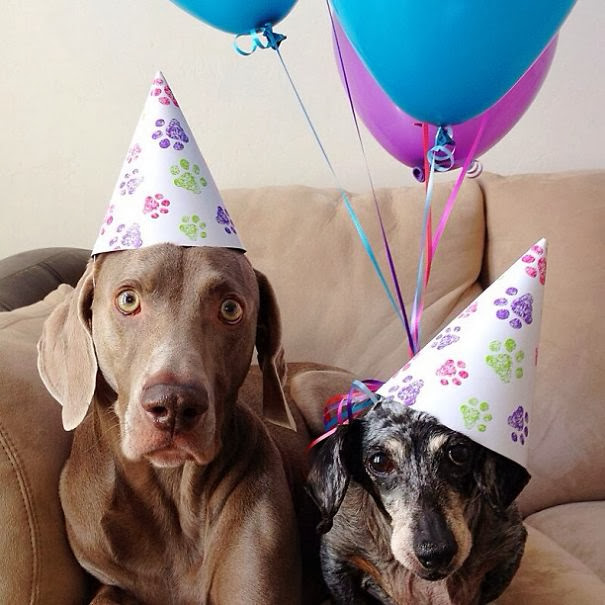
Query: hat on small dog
x,y
165,192
477,375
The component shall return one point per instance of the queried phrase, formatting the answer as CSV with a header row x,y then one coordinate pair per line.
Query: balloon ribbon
x,y
273,41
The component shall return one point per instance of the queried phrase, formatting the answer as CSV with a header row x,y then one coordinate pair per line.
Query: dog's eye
x,y
231,311
128,302
460,455
380,463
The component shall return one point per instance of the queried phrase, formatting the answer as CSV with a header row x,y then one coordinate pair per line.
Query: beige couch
x,y
335,312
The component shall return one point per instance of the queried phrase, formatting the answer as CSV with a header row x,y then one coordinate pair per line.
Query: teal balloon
x,y
446,61
237,16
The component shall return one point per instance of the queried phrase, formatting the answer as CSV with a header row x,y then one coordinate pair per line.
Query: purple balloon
x,y
401,135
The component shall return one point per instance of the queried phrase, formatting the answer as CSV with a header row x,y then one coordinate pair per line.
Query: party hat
x,y
165,192
477,375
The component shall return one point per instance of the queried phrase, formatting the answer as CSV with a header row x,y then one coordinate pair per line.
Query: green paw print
x,y
476,414
191,226
188,176
506,360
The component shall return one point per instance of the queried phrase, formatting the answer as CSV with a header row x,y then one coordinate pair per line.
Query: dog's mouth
x,y
433,575
169,457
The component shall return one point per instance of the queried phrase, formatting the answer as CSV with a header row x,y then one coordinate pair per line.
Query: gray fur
x,y
404,523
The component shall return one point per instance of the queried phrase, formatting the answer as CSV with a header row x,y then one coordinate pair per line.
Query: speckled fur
x,y
374,522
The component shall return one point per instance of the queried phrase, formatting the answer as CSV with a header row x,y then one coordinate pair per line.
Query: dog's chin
x,y
169,458
171,452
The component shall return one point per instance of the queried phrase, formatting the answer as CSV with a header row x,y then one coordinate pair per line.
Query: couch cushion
x,y
567,452
333,307
27,277
549,575
579,528
37,564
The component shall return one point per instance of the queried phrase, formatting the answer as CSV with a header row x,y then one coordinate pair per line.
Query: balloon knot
x,y
271,40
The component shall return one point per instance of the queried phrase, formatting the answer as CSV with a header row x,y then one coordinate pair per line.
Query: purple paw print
x,y
448,337
130,182
408,390
522,307
173,133
223,218
519,420
127,237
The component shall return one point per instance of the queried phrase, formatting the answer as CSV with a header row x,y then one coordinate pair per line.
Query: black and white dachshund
x,y
414,512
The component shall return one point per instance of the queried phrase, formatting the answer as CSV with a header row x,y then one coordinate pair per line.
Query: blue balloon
x,y
237,16
446,61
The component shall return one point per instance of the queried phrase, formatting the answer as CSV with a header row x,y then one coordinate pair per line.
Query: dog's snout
x,y
174,407
434,543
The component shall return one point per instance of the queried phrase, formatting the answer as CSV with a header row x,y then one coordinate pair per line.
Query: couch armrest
x,y
29,276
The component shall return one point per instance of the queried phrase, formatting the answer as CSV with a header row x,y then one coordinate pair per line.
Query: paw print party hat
x,y
477,375
165,192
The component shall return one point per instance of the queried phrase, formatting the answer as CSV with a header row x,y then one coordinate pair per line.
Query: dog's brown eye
x,y
128,302
459,454
231,311
381,463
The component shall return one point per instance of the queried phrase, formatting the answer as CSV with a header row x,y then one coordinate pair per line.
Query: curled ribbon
x,y
360,396
272,40
442,153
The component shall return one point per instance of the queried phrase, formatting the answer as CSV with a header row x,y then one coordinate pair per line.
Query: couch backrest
x,y
333,307
567,445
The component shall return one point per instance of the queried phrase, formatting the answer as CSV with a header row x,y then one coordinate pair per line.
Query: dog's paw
x,y
173,134
517,310
507,360
193,227
476,414
188,176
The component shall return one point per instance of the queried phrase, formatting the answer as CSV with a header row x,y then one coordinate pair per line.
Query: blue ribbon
x,y
442,153
272,40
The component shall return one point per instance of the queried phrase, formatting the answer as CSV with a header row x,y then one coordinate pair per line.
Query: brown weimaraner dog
x,y
177,491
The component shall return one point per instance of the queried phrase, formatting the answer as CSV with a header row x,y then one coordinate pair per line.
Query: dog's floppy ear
x,y
500,480
330,474
271,356
66,358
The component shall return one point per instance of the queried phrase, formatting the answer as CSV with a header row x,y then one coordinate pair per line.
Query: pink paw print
x,y
472,308
536,263
162,91
453,372
156,205
108,219
133,153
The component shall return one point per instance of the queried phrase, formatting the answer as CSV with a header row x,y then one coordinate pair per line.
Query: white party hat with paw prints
x,y
477,375
165,192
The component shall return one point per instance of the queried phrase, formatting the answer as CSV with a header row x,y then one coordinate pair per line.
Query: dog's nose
x,y
174,407
434,543
434,556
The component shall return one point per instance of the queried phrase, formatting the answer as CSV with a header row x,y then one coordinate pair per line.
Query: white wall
x,y
76,72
